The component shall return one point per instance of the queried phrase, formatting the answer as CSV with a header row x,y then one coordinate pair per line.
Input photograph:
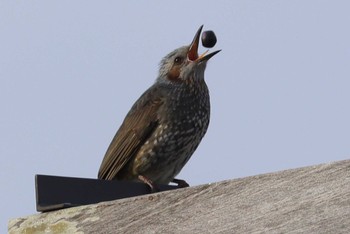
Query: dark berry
x,y
208,39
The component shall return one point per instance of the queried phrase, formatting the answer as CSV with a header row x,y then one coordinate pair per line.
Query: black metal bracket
x,y
58,192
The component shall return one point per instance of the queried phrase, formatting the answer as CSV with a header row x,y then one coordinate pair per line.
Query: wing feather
x,y
137,127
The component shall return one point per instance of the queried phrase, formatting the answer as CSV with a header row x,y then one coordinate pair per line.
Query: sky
x,y
71,70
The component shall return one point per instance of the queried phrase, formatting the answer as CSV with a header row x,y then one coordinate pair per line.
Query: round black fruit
x,y
208,39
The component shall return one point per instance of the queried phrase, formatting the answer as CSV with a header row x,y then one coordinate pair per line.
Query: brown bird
x,y
165,125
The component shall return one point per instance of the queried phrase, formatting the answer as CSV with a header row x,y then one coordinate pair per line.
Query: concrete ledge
x,y
312,199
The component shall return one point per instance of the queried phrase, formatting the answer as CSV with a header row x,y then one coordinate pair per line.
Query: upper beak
x,y
192,53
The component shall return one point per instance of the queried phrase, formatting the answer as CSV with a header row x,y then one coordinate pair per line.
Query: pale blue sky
x,y
70,71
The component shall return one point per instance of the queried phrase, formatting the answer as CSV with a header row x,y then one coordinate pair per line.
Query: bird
x,y
165,125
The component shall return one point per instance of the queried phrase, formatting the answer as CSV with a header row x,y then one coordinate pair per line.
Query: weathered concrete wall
x,y
313,199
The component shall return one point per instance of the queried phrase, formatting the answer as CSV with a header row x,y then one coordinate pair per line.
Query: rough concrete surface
x,y
312,199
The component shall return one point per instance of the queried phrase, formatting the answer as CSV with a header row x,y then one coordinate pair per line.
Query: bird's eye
x,y
178,60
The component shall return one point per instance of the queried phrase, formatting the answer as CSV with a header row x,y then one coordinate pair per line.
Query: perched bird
x,y
165,125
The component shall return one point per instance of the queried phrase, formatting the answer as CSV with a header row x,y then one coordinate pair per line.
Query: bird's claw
x,y
154,188
180,183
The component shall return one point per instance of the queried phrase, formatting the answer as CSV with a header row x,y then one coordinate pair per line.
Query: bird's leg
x,y
149,182
180,183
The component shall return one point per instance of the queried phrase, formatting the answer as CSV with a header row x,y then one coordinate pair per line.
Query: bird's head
x,y
184,65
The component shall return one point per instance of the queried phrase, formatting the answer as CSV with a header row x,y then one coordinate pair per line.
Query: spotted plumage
x,y
165,125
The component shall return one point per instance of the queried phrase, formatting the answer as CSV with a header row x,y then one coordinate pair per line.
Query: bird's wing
x,y
138,125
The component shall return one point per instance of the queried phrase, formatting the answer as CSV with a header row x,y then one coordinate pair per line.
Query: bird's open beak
x,y
192,53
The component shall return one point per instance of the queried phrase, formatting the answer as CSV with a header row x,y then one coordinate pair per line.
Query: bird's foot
x,y
180,183
150,183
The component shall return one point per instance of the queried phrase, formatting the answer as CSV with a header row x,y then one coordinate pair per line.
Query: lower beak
x,y
192,53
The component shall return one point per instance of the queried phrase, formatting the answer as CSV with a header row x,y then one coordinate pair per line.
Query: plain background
x,y
70,71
